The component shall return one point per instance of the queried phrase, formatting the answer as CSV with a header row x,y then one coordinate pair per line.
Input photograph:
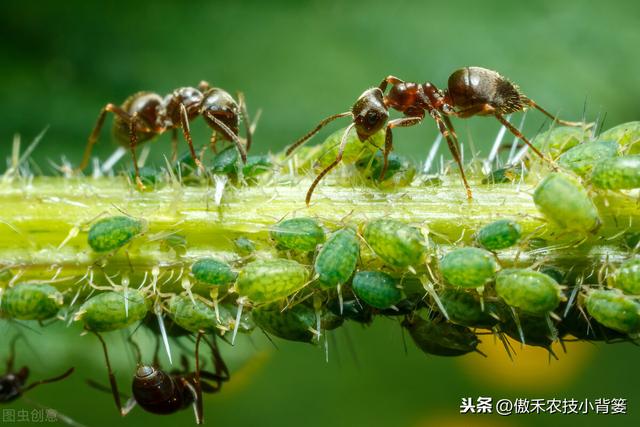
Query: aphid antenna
x,y
505,342
270,339
428,287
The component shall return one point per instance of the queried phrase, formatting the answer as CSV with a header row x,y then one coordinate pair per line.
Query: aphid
x,y
578,324
337,259
504,175
631,240
159,392
530,329
439,337
376,288
397,244
109,234
294,324
302,234
617,173
145,115
627,278
400,172
554,273
213,272
528,290
557,140
112,310
14,384
471,91
244,246
627,135
271,280
468,267
226,162
500,234
193,315
564,201
614,310
31,301
348,307
465,308
149,176
581,158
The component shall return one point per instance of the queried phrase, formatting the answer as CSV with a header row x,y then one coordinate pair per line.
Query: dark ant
x,y
12,384
145,115
163,393
471,91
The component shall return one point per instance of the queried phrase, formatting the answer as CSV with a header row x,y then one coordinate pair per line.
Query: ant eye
x,y
372,118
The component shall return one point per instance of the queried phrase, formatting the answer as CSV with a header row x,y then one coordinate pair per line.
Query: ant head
x,y
10,385
369,113
218,105
151,385
190,97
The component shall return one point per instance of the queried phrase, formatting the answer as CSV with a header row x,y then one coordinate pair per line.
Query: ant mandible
x,y
12,384
145,115
471,91
163,393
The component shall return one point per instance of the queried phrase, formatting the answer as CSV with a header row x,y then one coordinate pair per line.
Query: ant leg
x,y
213,141
519,135
222,372
112,377
343,144
245,118
133,143
388,138
315,130
174,145
12,353
229,134
93,138
449,134
136,349
186,131
389,79
531,103
49,380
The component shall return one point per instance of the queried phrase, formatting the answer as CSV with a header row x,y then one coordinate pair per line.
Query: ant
x,y
163,393
12,384
145,115
471,91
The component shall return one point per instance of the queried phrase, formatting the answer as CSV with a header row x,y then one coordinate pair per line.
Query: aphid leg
x,y
449,134
232,136
49,380
343,144
112,377
530,103
133,143
174,145
242,104
388,138
315,130
389,79
186,131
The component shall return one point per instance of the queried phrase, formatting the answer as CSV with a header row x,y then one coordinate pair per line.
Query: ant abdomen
x,y
157,392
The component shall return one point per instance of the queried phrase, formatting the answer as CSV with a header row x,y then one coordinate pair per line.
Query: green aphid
x,y
530,291
400,172
504,175
337,259
109,311
627,135
530,329
193,317
326,152
31,301
565,202
618,173
464,308
627,278
614,310
213,272
256,165
582,158
560,139
376,288
244,246
293,324
330,320
441,338
468,267
176,242
149,176
302,234
271,280
109,234
396,243
226,161
499,234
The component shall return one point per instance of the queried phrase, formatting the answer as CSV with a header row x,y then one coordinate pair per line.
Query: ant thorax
x,y
172,104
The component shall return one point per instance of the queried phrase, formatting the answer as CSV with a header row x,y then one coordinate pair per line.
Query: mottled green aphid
x,y
376,288
398,244
337,259
107,312
149,176
441,338
302,234
618,173
271,280
504,175
499,234
529,290
111,233
293,324
226,161
31,301
244,246
193,317
564,201
464,308
614,310
213,272
627,278
400,171
560,139
468,267
581,158
627,135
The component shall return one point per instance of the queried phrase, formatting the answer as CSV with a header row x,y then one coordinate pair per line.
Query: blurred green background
x,y
300,61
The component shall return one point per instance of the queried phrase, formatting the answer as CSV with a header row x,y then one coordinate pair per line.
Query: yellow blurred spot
x,y
531,368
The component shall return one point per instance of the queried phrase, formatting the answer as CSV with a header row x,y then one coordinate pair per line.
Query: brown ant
x,y
145,115
12,384
471,91
163,393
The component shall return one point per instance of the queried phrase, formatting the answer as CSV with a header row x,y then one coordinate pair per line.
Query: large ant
x,y
145,115
471,91
163,393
